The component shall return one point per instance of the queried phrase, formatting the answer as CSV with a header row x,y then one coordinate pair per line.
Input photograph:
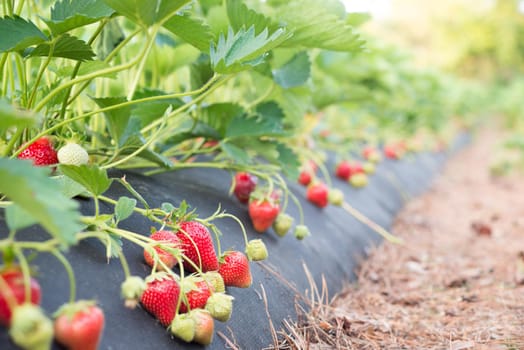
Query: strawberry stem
x,y
26,273
70,274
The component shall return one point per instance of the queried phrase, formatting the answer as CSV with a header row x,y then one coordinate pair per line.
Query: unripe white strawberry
x,y
72,154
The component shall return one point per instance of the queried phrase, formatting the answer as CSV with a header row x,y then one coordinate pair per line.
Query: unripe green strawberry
x,y
183,327
72,154
301,232
358,180
282,224
132,289
30,328
215,280
204,326
256,250
220,306
336,197
369,168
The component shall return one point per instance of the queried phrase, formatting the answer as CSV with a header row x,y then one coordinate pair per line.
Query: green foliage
x,y
70,14
40,198
93,178
295,72
243,49
266,122
240,16
117,119
146,12
315,26
124,208
191,30
22,34
11,117
65,46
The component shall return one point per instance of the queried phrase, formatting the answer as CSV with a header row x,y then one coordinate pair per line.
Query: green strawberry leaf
x,y
316,26
71,14
295,72
288,161
113,245
66,46
22,34
124,208
219,116
193,31
237,154
69,187
135,141
240,16
117,119
17,218
243,50
40,196
94,179
266,122
147,12
12,117
200,72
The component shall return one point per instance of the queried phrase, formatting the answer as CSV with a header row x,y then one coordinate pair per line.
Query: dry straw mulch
x,y
457,282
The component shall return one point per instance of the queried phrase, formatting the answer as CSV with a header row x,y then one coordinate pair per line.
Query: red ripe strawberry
x,y
14,292
79,326
245,183
161,297
204,326
234,268
391,152
368,151
311,165
263,213
347,169
197,246
41,152
305,177
197,291
318,194
167,238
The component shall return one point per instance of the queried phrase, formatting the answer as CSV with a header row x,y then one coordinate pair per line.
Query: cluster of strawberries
x,y
77,325
189,304
264,208
355,172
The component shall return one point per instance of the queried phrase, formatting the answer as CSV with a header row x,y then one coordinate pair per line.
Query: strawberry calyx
x,y
301,232
71,309
132,289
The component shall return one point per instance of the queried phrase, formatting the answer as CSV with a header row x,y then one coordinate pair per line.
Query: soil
x,y
456,283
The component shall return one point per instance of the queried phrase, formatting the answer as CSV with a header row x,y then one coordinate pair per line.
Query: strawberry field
x,y
178,173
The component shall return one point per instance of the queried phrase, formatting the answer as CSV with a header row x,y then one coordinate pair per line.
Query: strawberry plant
x,y
265,90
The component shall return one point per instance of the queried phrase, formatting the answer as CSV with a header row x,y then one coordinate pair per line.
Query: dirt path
x,y
456,284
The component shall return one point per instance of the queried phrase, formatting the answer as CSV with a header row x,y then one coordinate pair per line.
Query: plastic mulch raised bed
x,y
337,244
